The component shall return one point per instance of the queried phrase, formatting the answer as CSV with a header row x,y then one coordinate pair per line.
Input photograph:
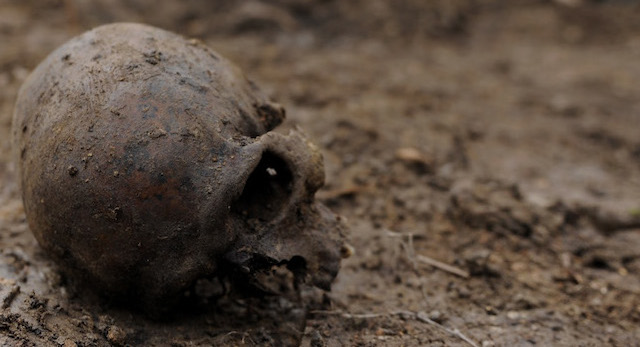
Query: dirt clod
x,y
116,336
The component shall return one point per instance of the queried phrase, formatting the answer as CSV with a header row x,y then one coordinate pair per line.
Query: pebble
x,y
317,340
116,336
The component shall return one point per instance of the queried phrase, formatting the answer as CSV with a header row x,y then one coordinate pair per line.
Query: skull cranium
x,y
147,161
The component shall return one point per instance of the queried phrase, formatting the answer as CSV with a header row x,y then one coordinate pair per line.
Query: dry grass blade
x,y
442,266
419,316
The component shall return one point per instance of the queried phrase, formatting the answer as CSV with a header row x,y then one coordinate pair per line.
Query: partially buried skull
x,y
147,162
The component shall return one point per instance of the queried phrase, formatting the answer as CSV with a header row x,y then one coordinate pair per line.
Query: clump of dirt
x,y
485,155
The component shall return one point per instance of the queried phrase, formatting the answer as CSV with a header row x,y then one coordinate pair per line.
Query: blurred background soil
x,y
501,138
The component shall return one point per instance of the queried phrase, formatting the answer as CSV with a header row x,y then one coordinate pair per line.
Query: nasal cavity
x,y
267,190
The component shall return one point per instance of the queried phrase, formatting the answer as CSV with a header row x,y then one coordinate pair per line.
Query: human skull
x,y
147,162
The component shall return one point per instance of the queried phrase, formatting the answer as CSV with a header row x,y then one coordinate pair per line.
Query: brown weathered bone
x,y
147,162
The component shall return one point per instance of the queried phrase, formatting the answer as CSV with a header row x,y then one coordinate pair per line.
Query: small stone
x,y
347,251
436,316
513,315
464,292
72,170
409,154
116,336
413,156
317,340
491,310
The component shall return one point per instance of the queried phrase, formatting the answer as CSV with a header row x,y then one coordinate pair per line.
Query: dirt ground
x,y
499,138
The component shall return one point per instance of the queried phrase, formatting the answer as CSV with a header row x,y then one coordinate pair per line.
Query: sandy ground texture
x,y
485,153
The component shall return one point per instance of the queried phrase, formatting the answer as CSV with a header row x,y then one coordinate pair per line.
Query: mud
x,y
499,139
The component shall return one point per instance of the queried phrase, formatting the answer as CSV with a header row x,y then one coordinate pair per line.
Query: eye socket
x,y
267,190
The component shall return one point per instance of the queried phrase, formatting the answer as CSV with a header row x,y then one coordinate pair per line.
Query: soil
x,y
498,141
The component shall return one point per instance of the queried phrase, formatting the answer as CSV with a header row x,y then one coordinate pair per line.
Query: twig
x,y
350,315
408,246
411,251
419,316
336,193
15,290
442,266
